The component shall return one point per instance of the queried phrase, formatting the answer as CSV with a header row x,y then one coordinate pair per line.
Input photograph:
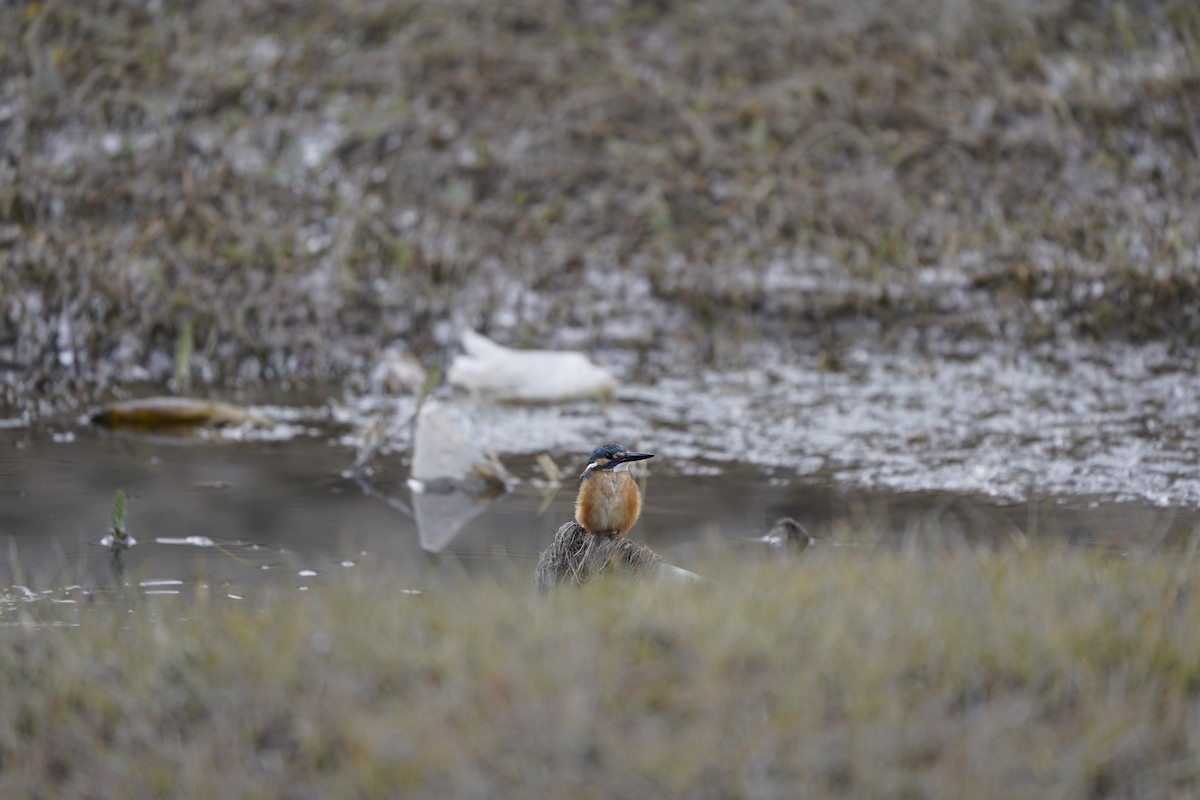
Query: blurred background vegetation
x,y
297,183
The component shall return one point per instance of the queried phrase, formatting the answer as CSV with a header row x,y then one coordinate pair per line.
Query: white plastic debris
x,y
442,453
452,479
532,376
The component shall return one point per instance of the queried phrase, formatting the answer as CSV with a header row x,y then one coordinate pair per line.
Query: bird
x,y
608,502
787,534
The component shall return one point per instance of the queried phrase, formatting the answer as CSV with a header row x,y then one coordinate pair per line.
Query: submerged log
x,y
150,413
576,557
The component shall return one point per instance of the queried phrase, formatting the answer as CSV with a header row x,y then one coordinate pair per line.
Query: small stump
x,y
576,557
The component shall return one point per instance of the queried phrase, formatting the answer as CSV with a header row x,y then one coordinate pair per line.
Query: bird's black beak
x,y
633,457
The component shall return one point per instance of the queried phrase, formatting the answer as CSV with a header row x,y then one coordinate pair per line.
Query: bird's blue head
x,y
609,456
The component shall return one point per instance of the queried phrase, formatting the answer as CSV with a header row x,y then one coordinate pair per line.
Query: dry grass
x,y
299,182
576,558
1057,673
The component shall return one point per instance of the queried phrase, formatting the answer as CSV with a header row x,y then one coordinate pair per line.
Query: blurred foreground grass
x,y
1054,673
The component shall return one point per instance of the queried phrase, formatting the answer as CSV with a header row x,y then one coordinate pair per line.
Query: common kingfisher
x,y
608,503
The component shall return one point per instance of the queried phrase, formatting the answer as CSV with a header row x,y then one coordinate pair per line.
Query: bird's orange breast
x,y
608,503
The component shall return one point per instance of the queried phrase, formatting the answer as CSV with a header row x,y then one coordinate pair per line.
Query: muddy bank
x,y
298,184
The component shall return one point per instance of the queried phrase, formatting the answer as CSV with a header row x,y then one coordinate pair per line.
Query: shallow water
x,y
1100,447
235,517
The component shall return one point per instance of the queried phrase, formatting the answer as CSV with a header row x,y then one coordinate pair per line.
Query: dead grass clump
x,y
576,557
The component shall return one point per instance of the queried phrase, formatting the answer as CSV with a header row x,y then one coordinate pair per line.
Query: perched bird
x,y
608,503
788,534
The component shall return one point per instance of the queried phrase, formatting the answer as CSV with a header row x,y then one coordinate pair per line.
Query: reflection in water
x,y
193,541
441,516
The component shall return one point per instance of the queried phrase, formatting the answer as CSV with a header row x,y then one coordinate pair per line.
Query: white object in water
x,y
533,376
194,541
442,453
450,475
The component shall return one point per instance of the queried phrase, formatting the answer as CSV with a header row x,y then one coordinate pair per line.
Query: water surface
x,y
996,448
238,516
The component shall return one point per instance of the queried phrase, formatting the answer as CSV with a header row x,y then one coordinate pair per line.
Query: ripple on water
x,y
1122,422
